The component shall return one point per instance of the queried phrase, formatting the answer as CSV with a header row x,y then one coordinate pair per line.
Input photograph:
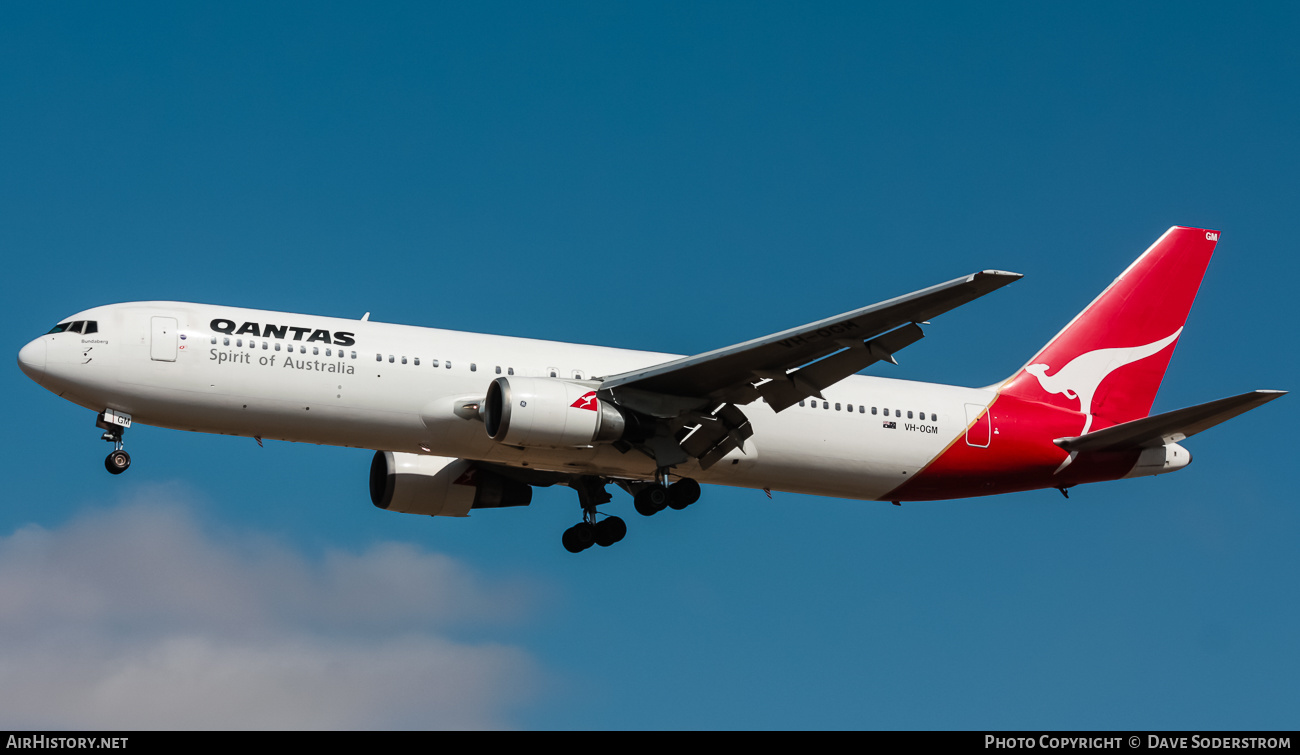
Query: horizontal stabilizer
x,y
1169,427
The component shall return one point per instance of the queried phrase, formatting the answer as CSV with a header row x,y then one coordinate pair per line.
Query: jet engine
x,y
439,486
549,413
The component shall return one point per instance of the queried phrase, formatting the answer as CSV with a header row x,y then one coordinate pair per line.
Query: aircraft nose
x,y
31,359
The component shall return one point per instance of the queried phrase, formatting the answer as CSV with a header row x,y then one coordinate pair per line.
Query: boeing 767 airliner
x,y
462,421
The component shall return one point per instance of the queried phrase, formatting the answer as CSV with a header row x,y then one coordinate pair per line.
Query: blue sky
x,y
671,177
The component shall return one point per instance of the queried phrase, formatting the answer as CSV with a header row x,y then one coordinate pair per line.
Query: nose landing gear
x,y
114,424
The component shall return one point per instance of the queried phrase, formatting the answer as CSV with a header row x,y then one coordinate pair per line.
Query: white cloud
x,y
137,618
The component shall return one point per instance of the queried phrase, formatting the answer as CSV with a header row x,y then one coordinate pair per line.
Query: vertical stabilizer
x,y
1109,361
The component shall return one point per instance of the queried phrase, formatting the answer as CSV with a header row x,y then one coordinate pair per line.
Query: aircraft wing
x,y
701,394
1169,427
789,360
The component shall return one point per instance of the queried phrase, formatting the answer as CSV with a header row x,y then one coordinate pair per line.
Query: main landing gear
x,y
656,496
114,424
591,531
649,498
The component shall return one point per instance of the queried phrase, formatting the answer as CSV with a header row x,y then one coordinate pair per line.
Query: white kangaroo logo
x,y
1084,374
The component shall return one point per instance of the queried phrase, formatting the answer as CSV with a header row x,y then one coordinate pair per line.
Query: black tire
x,y
609,531
683,493
117,462
651,499
579,537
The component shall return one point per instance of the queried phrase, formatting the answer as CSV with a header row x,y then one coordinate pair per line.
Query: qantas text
x,y
339,338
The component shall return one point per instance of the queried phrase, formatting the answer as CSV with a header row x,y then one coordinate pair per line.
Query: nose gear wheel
x,y
114,424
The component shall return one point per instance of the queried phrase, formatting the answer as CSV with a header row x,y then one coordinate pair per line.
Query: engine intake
x,y
549,413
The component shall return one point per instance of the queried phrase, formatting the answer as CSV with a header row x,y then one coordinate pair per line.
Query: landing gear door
x,y
162,341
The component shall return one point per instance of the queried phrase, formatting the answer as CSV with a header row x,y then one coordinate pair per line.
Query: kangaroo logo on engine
x,y
587,401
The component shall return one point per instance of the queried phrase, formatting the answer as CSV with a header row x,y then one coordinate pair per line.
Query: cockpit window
x,y
80,326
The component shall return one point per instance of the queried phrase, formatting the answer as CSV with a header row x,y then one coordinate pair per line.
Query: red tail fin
x,y
1108,362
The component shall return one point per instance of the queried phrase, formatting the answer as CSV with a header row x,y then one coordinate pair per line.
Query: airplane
x,y
463,421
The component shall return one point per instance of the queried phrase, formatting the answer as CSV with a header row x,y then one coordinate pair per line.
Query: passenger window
x,y
473,367
214,340
435,363
498,369
934,417
862,409
801,403
277,345
239,342
390,358
379,357
826,405
417,361
315,351
449,364
354,355
265,345
225,342
510,370
837,406
898,413
327,352
873,410
909,413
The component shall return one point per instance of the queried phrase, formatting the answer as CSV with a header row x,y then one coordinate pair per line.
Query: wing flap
x,y
784,391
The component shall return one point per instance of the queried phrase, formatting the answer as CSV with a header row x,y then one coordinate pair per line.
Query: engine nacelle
x,y
550,413
439,486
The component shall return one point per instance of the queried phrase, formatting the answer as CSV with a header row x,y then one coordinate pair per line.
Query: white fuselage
x,y
392,387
